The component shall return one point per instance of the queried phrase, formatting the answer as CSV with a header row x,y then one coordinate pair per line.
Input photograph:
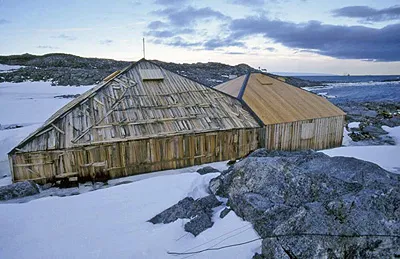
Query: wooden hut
x,y
141,119
293,118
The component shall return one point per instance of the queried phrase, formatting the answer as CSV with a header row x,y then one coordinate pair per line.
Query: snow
x,y
27,104
354,125
32,102
393,132
113,223
8,68
386,157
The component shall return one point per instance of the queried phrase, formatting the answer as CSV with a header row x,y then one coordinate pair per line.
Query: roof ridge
x,y
243,88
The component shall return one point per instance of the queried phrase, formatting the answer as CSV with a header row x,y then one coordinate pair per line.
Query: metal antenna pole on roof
x,y
144,50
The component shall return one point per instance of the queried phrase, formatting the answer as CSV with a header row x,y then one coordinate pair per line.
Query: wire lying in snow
x,y
282,235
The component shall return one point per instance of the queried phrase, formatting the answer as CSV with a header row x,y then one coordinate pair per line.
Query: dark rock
x,y
207,170
123,182
18,190
258,256
374,130
198,224
98,185
196,210
67,96
208,202
65,69
183,209
46,186
224,212
231,162
309,192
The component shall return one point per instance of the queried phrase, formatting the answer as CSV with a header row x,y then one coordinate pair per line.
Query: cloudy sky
x,y
320,36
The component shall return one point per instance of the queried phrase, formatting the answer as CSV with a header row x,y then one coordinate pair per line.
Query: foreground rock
x,y
207,170
18,190
307,192
199,211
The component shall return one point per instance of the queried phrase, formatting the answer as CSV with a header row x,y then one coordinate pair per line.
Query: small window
x,y
307,130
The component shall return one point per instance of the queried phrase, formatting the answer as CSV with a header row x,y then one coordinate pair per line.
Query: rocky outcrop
x,y
65,69
318,205
372,116
198,211
18,190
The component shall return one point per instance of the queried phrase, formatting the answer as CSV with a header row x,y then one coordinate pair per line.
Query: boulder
x,y
18,190
183,209
207,170
306,192
374,131
224,212
198,224
199,211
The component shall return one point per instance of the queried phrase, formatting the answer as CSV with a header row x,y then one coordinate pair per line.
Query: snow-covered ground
x,y
112,222
27,104
8,68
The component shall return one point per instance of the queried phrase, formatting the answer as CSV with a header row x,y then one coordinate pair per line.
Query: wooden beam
x,y
105,116
97,101
25,165
58,129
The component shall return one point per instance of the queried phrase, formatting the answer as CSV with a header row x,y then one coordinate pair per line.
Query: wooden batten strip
x,y
58,129
33,172
44,131
97,101
105,116
33,164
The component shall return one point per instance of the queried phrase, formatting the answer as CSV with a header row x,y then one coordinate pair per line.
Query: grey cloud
x,y
189,16
271,49
219,43
248,2
64,37
369,14
156,25
106,42
170,2
177,42
4,21
169,33
183,21
235,53
46,47
346,42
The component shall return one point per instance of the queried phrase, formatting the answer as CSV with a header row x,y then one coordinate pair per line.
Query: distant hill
x,y
301,74
66,69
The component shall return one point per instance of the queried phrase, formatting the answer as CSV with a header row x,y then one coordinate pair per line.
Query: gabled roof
x,y
275,101
143,100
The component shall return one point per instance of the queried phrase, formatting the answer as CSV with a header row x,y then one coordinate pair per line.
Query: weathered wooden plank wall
x,y
318,133
130,157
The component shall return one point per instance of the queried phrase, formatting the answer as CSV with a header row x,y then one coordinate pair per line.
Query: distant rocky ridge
x,y
66,69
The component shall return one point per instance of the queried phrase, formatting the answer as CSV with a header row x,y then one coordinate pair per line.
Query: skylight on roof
x,y
151,74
